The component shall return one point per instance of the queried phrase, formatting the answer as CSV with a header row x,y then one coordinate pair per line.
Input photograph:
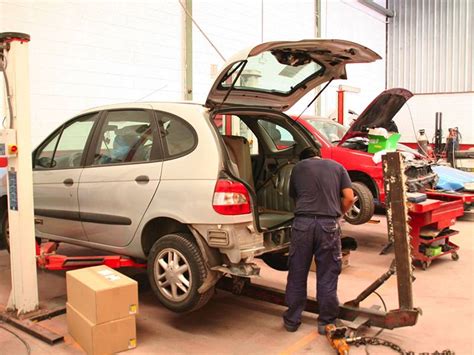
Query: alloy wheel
x,y
173,274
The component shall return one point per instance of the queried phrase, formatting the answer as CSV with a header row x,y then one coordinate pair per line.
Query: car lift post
x,y
15,145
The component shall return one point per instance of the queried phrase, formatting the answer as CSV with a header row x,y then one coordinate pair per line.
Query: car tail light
x,y
231,198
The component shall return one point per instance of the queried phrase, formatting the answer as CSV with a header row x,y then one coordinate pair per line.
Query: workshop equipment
x,y
433,216
337,338
430,223
15,148
438,144
49,260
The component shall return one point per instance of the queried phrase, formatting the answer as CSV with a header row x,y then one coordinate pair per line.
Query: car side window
x,y
178,136
66,148
126,136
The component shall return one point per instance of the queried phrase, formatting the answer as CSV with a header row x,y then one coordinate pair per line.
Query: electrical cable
x,y
200,30
3,68
381,329
25,343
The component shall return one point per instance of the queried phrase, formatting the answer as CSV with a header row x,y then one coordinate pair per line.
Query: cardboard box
x,y
345,261
102,294
105,338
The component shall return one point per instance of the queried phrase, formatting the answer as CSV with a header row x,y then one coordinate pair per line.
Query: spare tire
x,y
363,208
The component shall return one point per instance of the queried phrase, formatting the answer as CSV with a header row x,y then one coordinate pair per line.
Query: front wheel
x,y
363,208
176,270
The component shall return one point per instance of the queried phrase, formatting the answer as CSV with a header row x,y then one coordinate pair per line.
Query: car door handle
x,y
68,182
142,179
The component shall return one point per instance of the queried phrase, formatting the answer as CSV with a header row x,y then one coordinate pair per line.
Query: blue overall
x,y
319,237
316,185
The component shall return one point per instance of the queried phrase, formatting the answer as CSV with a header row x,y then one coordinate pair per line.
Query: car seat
x,y
126,139
239,151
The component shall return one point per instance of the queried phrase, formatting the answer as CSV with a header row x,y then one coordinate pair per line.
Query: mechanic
x,y
321,189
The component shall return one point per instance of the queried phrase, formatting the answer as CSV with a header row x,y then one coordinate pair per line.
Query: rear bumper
x,y
240,242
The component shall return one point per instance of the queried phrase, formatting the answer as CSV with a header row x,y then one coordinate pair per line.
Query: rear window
x,y
267,73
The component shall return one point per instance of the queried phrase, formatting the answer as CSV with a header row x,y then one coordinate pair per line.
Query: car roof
x,y
165,105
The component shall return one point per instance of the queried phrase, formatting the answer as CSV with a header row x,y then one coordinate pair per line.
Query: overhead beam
x,y
378,8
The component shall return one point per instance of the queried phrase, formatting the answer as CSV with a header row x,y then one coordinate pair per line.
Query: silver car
x,y
196,190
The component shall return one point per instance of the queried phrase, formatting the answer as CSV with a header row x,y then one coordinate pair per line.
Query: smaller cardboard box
x,y
105,338
101,294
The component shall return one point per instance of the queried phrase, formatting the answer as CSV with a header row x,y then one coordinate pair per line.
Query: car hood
x,y
277,74
379,113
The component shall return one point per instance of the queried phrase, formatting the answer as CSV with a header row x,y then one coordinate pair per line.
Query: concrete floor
x,y
236,325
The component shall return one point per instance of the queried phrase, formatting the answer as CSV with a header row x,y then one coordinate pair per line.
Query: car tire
x,y
364,206
176,286
277,261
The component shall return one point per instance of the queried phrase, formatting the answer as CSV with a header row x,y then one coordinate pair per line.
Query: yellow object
x,y
338,343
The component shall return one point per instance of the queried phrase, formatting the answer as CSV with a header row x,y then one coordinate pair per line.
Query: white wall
x,y
237,24
349,20
457,109
89,53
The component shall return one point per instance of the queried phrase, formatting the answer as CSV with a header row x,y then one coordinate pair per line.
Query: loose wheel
x,y
363,208
455,256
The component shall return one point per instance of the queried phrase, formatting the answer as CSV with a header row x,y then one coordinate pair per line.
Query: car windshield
x,y
331,130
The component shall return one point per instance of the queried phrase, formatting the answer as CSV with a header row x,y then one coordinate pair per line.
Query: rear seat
x,y
273,198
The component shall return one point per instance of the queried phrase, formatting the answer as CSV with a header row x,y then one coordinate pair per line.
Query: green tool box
x,y
378,143
433,251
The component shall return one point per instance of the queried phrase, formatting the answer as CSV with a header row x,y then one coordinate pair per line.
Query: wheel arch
x,y
159,227
359,176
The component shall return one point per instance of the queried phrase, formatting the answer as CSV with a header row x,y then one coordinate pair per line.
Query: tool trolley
x,y
430,223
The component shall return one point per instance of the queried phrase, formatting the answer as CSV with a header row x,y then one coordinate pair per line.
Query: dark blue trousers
x,y
318,237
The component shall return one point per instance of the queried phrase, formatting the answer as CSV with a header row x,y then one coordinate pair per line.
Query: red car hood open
x,y
379,113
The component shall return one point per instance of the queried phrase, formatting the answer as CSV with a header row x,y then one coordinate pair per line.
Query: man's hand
x,y
347,200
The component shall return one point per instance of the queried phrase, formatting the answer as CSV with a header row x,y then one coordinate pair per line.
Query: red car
x,y
348,146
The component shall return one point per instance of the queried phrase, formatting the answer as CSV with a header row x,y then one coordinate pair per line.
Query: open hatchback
x,y
262,144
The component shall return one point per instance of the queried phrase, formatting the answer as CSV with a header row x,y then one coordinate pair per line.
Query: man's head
x,y
310,152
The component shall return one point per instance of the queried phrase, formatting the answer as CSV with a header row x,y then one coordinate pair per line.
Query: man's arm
x,y
347,199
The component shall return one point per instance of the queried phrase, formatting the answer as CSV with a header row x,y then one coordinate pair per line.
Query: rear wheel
x,y
176,270
363,208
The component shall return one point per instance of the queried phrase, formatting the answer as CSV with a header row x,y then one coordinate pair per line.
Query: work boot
x,y
291,328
